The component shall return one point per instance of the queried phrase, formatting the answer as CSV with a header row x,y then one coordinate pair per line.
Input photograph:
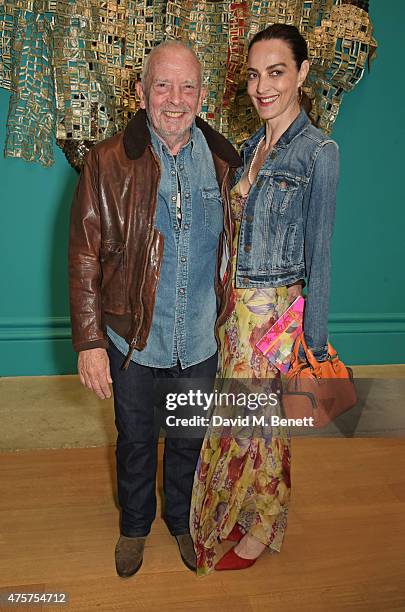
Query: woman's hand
x,y
294,291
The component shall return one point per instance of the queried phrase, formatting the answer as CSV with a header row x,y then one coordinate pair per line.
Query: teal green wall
x,y
367,314
34,324
367,309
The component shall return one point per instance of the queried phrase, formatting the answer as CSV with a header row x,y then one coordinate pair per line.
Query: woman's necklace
x,y
249,176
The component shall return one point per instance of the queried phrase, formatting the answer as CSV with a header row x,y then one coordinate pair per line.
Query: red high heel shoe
x,y
236,534
232,561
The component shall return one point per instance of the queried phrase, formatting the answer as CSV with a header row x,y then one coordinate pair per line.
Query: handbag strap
x,y
315,365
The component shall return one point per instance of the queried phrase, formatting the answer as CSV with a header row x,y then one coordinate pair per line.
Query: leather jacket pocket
x,y
113,260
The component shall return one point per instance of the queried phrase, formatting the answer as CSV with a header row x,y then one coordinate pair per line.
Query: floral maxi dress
x,y
242,480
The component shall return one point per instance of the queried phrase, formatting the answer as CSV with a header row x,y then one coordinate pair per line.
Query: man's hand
x,y
93,366
294,291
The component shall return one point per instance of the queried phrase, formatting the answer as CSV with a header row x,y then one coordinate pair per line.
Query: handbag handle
x,y
315,365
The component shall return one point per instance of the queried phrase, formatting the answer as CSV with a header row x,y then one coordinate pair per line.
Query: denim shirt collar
x,y
161,147
299,124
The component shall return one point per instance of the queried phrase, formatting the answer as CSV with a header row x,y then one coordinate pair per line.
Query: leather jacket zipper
x,y
228,280
134,340
229,212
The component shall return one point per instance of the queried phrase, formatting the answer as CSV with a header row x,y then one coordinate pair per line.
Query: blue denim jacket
x,y
186,306
287,225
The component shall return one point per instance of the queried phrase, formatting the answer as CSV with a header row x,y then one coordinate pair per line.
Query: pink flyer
x,y
278,342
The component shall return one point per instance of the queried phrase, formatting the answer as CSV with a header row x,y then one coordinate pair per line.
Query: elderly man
x,y
149,225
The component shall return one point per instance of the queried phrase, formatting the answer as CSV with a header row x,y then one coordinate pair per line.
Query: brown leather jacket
x,y
115,252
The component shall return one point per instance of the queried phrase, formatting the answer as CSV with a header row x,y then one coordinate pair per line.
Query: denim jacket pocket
x,y
213,211
278,234
112,258
280,192
289,242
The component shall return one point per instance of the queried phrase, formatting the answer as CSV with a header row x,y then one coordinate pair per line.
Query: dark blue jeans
x,y
139,394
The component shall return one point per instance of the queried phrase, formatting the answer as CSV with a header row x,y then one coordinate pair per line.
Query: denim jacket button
x,y
249,218
283,184
245,280
248,248
273,155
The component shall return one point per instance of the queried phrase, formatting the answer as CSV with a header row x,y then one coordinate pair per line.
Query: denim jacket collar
x,y
294,129
299,124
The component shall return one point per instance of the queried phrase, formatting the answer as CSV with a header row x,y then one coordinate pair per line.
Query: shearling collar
x,y
137,138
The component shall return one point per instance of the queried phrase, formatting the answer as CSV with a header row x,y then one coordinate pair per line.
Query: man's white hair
x,y
166,44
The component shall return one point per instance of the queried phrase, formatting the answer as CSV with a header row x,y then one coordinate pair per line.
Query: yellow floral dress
x,y
244,480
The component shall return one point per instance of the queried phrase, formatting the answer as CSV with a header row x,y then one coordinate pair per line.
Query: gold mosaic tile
x,y
72,65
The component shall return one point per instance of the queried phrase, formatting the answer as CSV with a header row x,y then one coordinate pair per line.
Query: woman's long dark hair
x,y
296,42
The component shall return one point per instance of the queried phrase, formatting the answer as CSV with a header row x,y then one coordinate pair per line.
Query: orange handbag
x,y
318,389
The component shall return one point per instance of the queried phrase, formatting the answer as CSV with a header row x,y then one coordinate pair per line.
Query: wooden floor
x,y
344,549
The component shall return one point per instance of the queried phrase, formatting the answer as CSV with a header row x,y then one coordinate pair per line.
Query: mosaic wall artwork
x,y
72,65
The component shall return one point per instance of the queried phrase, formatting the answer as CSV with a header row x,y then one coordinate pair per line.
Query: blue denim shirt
x,y
287,225
185,309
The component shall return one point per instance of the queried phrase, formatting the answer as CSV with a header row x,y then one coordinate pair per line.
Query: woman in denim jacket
x,y
283,205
